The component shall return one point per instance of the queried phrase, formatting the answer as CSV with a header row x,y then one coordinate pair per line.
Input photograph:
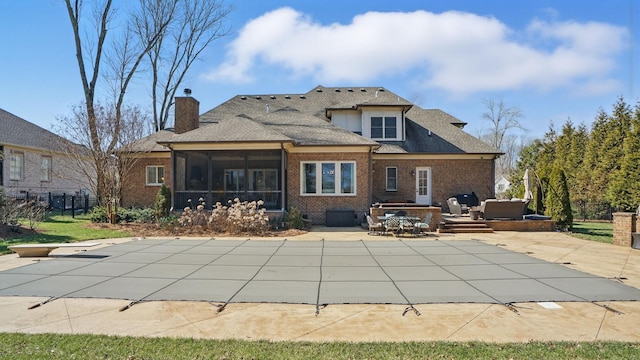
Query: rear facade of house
x,y
330,148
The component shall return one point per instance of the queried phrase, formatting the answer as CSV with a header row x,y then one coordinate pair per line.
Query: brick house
x,y
329,148
32,160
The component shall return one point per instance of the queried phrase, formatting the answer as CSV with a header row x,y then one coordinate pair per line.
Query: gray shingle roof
x,y
310,130
20,132
302,119
431,131
234,129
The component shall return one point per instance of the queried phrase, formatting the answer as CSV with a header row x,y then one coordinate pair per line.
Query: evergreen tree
x,y
624,189
162,205
557,201
577,187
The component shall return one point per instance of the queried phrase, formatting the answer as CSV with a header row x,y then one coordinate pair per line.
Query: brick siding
x,y
449,177
136,192
315,206
623,225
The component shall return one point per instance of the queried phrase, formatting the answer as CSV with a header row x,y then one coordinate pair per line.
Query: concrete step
x,y
466,230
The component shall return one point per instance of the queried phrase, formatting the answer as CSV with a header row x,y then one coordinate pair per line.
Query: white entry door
x,y
423,185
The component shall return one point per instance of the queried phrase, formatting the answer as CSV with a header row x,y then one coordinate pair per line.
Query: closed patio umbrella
x,y
528,195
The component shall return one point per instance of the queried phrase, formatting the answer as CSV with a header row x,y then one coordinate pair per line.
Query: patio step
x,y
465,227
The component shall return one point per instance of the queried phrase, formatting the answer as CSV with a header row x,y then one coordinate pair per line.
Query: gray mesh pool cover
x,y
310,272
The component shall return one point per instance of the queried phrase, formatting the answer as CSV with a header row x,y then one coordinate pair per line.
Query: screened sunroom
x,y
223,175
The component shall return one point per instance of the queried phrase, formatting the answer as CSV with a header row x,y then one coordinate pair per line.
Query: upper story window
x,y
16,166
45,168
155,175
328,178
382,125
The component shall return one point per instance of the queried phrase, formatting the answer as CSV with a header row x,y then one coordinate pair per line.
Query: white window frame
x,y
386,175
159,180
46,166
16,166
337,178
368,117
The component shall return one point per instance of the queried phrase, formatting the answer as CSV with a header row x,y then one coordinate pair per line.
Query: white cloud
x,y
456,52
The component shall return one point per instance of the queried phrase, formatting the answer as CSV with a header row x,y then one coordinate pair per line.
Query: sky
x,y
553,60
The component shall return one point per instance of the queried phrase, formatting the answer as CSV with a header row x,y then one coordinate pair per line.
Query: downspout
x,y
173,177
370,195
283,182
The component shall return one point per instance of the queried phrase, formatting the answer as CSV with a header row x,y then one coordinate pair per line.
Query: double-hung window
x,y
16,166
392,179
328,178
45,168
155,175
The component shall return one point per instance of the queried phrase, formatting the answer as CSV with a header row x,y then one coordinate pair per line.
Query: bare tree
x,y
77,145
123,57
193,25
503,119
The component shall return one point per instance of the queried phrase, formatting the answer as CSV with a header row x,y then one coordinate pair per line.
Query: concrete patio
x,y
569,321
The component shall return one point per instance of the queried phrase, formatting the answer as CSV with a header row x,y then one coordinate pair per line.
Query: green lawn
x,y
61,229
51,346
594,231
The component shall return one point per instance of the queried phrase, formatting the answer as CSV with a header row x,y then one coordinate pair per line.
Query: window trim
x,y
386,176
159,180
337,178
13,166
384,117
45,172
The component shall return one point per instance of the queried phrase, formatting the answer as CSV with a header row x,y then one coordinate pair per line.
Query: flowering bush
x,y
238,217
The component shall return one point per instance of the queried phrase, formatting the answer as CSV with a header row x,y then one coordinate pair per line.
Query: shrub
x,y
238,217
99,215
246,217
293,219
162,205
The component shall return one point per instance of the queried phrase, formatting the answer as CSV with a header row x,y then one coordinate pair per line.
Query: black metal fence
x,y
58,202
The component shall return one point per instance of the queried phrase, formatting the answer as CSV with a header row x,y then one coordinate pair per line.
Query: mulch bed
x,y
8,232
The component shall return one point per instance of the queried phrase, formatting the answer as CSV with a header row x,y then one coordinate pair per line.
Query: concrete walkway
x,y
566,321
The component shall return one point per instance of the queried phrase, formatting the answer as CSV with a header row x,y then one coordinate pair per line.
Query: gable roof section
x,y
239,128
20,132
282,125
431,131
314,102
310,130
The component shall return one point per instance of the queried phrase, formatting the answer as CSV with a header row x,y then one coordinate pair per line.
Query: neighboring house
x,y
502,185
31,161
330,148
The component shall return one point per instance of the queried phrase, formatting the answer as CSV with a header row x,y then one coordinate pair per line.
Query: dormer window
x,y
384,127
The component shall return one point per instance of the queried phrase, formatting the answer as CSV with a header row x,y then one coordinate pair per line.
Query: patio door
x,y
423,185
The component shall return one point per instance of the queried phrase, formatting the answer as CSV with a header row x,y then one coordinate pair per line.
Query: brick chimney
x,y
187,114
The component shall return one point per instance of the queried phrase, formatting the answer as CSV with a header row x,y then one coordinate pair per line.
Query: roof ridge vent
x,y
350,90
338,90
273,97
243,97
287,96
302,97
318,90
363,89
258,97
